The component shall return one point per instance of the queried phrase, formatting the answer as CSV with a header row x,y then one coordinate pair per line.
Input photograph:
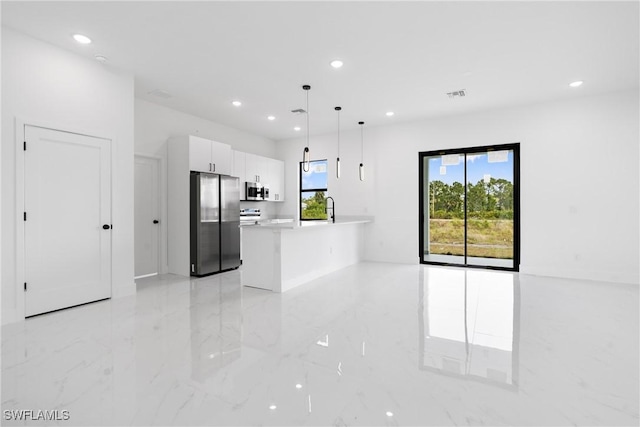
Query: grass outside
x,y
486,238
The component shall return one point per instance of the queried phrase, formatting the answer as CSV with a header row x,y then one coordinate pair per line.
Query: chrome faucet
x,y
333,208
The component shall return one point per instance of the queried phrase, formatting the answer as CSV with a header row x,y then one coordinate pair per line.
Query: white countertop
x,y
279,224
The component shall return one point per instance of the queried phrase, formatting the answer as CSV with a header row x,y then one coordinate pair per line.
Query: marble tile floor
x,y
373,344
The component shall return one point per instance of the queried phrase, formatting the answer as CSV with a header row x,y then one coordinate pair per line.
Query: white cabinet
x,y
239,170
275,176
199,154
209,156
256,168
253,168
239,166
221,158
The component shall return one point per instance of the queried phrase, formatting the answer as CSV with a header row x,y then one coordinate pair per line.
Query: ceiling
x,y
398,56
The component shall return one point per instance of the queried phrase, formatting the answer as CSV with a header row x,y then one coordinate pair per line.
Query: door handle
x,y
106,227
155,221
209,167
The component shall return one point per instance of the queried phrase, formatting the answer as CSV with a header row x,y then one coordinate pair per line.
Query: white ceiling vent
x,y
457,93
160,93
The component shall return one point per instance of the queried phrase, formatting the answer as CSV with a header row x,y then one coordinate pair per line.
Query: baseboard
x,y
581,274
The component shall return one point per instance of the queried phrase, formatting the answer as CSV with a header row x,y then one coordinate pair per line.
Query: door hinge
x,y
25,286
24,146
25,216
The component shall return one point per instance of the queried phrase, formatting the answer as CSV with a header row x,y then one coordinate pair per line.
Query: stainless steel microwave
x,y
256,191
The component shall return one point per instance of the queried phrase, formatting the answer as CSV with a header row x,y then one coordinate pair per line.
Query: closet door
x,y
67,219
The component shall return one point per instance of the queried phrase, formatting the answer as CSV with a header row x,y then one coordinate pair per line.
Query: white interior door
x,y
67,219
147,218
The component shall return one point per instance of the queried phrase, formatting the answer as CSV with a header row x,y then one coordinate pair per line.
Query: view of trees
x,y
314,207
485,200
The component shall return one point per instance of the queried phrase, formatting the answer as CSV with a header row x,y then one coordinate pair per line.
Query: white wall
x,y
579,181
155,124
42,83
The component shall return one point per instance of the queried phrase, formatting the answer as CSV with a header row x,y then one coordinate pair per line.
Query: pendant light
x,y
338,158
361,170
306,155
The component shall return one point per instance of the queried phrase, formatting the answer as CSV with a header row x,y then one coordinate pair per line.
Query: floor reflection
x,y
494,348
216,328
469,324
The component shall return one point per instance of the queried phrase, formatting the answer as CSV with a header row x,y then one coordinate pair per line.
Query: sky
x,y
477,167
317,175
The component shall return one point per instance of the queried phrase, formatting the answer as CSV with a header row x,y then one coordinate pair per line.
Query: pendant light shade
x,y
338,109
306,158
306,155
361,169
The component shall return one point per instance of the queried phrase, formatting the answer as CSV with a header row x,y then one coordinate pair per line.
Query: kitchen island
x,y
280,256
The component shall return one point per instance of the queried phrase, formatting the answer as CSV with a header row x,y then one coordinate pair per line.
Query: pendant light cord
x,y
338,133
362,141
307,118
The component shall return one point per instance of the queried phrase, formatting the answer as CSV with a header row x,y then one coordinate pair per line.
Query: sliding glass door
x,y
469,207
444,208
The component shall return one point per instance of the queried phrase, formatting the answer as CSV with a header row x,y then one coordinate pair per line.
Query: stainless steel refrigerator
x,y
215,223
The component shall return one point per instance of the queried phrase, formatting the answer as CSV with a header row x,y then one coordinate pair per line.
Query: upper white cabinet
x,y
199,154
275,176
253,168
239,165
209,156
256,168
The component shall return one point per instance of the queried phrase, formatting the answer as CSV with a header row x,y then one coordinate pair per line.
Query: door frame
x,y
162,231
19,132
515,146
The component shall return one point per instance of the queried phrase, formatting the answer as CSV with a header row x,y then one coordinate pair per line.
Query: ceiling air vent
x,y
160,93
457,94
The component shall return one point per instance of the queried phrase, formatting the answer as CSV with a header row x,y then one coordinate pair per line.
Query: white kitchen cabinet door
x,y
239,167
221,158
257,168
200,154
276,180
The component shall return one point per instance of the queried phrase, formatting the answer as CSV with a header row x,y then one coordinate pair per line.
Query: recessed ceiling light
x,y
272,407
336,63
271,118
297,128
81,39
576,84
390,113
389,414
298,386
236,103
100,58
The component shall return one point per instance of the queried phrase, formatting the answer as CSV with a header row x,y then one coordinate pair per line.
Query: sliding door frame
x,y
515,147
